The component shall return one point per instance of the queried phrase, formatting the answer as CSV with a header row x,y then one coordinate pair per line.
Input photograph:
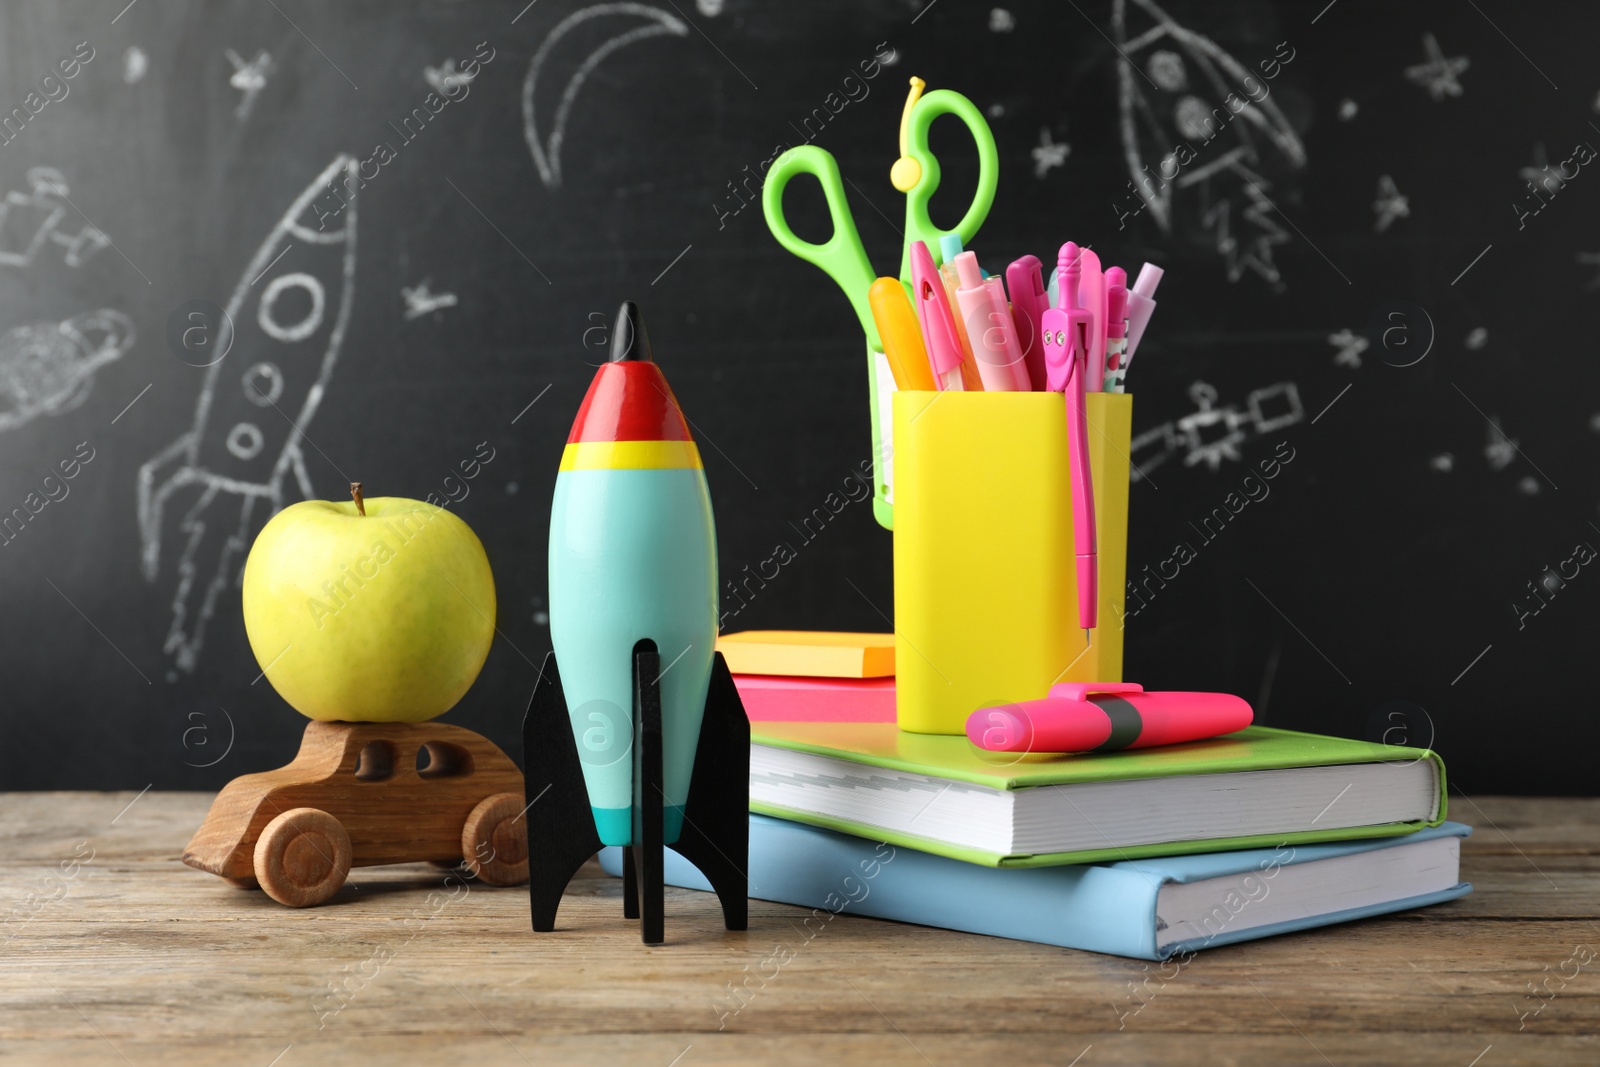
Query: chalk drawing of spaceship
x,y
48,367
225,475
29,220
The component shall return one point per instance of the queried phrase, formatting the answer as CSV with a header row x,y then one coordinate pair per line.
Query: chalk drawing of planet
x,y
48,367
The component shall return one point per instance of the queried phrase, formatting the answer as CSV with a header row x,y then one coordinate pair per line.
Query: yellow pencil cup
x,y
985,583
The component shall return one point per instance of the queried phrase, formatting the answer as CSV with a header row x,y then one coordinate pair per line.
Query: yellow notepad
x,y
809,653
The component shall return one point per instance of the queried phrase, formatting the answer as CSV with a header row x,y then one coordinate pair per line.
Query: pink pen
x,y
1141,305
1028,304
990,328
933,315
1116,327
1066,349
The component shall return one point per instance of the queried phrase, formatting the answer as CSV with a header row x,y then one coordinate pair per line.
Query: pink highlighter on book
x,y
1106,717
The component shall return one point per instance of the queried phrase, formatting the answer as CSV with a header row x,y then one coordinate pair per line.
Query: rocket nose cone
x,y
629,341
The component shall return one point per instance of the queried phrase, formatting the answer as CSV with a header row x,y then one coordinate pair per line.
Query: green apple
x,y
376,610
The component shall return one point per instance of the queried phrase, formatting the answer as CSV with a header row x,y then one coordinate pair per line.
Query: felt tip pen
x,y
1025,283
990,328
1106,717
1116,327
949,249
901,336
938,325
1141,305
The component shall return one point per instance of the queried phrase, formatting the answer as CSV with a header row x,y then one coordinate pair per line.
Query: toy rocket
x,y
651,706
632,558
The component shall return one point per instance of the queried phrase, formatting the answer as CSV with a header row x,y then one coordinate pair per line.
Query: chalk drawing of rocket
x,y
224,476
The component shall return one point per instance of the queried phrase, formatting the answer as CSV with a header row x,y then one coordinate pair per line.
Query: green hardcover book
x,y
1258,787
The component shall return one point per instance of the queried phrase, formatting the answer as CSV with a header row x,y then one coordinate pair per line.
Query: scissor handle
x,y
841,256
919,227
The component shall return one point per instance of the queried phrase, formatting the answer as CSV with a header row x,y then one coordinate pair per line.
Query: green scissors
x,y
842,256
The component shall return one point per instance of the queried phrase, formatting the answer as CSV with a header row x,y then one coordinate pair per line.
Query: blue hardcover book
x,y
1148,909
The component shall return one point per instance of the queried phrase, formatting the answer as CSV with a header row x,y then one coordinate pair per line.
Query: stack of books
x,y
1145,853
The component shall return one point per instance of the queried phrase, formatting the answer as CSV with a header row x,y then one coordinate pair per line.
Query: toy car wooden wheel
x,y
302,857
494,841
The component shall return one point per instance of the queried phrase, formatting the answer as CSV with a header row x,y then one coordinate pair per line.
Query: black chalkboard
x,y
1381,274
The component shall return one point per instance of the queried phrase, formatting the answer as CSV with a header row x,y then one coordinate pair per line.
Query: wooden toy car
x,y
364,794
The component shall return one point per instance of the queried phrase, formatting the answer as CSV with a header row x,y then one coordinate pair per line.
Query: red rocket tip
x,y
629,341
629,399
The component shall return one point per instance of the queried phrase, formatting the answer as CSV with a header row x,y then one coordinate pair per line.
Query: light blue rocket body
x,y
632,556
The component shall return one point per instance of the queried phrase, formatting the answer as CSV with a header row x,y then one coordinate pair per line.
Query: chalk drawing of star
x,y
1539,176
420,300
1047,154
1439,75
249,78
1390,204
1350,345
1501,449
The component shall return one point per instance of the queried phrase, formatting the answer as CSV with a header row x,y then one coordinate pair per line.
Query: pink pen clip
x,y
1081,690
933,315
1091,297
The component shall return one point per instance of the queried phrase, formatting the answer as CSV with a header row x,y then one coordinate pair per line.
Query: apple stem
x,y
355,493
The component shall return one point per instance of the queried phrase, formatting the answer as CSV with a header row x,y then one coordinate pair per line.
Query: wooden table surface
x,y
115,952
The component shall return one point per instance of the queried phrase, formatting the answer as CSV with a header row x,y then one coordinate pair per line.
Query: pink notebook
x,y
781,698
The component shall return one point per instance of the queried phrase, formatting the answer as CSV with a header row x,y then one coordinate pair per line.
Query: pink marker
x,y
990,328
1116,328
933,315
1141,305
1106,717
1066,351
1029,302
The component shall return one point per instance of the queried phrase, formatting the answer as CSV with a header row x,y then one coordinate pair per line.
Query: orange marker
x,y
902,340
